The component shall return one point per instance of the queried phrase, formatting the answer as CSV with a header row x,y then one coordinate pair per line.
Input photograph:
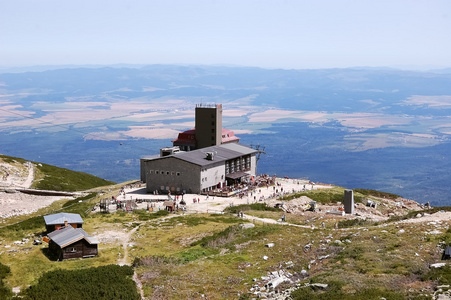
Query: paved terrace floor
x,y
210,204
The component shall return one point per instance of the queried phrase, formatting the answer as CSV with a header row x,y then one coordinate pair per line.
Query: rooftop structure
x,y
208,130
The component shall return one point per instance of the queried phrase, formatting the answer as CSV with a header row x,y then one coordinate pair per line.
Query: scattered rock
x,y
438,265
247,225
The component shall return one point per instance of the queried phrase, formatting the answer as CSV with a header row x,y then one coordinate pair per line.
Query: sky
x,y
288,34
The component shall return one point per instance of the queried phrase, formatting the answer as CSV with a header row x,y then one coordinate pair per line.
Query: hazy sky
x,y
269,34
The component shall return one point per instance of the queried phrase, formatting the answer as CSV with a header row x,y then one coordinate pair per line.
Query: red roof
x,y
229,136
188,137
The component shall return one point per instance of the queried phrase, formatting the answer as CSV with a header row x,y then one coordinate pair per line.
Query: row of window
x,y
238,164
158,172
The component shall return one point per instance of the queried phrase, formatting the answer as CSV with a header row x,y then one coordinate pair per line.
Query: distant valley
x,y
382,129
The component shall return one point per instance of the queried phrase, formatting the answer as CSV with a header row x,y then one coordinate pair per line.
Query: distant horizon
x,y
46,67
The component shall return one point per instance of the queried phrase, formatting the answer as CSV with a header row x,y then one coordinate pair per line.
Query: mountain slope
x,y
18,172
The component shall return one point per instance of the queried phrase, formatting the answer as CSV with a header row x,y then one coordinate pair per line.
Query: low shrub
x,y
334,291
106,282
323,197
441,275
375,193
195,253
144,215
354,222
233,235
5,292
78,199
254,206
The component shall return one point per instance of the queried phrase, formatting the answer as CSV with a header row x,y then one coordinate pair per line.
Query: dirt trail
x,y
29,181
125,242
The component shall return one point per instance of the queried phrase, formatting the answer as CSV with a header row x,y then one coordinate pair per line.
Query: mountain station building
x,y
198,171
201,159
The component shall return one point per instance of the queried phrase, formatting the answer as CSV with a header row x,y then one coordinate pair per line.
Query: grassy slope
x,y
49,177
186,256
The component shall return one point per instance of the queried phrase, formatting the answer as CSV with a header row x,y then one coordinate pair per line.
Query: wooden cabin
x,y
70,242
60,220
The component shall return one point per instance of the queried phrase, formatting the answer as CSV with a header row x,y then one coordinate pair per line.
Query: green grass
x,y
48,177
355,222
254,206
12,160
61,179
323,196
35,225
76,200
379,194
334,291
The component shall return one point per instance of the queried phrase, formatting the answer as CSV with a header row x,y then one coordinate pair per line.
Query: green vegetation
x,y
107,282
61,179
12,160
35,225
254,206
233,235
323,196
78,199
413,214
5,292
355,222
335,290
378,194
49,177
441,275
144,215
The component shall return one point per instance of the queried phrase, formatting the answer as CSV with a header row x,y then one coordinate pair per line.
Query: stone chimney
x,y
66,223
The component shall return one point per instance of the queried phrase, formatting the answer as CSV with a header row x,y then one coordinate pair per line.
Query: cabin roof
x,y
61,218
69,235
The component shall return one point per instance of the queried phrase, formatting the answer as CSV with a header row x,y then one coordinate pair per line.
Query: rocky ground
x,y
13,178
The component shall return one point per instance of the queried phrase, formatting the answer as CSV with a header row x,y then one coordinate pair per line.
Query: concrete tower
x,y
208,125
349,202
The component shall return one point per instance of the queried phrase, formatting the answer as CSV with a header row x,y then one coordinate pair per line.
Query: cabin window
x,y
71,249
178,173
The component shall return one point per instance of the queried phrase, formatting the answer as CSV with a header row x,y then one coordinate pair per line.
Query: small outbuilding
x,y
447,253
57,221
70,242
169,206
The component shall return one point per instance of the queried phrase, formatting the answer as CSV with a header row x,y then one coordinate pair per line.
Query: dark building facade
x,y
69,242
198,171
